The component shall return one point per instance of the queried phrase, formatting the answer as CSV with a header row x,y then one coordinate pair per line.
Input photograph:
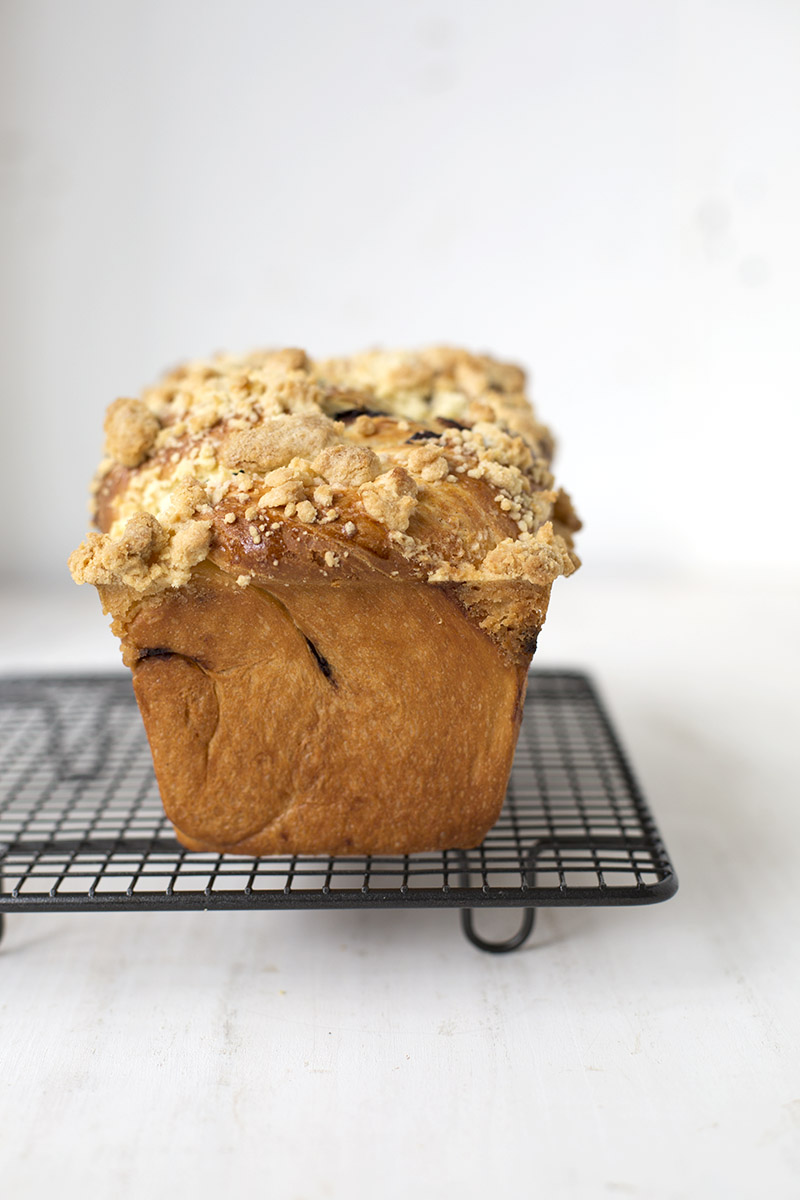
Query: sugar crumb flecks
x,y
347,466
306,512
391,498
278,440
131,431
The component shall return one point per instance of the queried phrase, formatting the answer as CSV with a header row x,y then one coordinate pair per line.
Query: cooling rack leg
x,y
512,943
528,914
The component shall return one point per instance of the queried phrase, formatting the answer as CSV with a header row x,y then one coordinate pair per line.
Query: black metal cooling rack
x,y
82,827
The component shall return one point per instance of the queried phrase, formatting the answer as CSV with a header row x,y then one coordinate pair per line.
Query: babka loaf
x,y
328,579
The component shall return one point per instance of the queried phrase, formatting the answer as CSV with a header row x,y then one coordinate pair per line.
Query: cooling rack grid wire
x,y
82,827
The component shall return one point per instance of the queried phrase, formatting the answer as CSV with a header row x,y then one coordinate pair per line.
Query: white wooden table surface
x,y
645,1053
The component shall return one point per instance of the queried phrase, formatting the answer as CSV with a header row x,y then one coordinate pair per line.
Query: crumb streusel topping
x,y
431,464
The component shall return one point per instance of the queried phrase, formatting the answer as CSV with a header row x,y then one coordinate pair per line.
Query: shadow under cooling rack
x,y
82,827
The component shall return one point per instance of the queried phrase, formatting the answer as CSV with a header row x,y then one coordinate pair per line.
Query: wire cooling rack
x,y
82,827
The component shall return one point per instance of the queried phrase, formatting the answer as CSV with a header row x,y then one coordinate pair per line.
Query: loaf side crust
x,y
369,717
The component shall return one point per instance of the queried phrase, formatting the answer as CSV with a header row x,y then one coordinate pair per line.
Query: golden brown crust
x,y
429,466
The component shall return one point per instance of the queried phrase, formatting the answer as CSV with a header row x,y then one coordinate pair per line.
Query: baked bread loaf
x,y
328,579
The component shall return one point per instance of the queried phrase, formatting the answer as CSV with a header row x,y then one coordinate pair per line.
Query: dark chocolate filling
x,y
350,414
321,662
422,435
161,652
529,641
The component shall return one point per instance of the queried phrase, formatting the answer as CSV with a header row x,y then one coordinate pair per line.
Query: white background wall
x,y
607,190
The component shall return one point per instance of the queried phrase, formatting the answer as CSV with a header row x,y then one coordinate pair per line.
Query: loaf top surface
x,y
428,465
